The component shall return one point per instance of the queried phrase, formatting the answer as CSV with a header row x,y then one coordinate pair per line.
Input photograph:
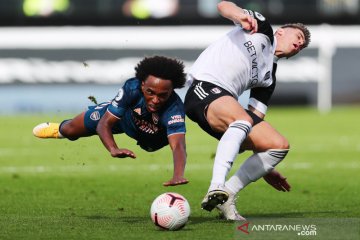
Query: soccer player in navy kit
x,y
245,58
146,108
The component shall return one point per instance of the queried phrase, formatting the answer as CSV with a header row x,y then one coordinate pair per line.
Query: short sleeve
x,y
174,118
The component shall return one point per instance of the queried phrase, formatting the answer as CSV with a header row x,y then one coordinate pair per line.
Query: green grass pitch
x,y
57,189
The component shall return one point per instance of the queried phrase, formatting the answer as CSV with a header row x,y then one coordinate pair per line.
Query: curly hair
x,y
303,28
162,67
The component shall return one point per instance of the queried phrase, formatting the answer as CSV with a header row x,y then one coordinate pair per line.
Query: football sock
x,y
60,135
61,124
227,151
255,167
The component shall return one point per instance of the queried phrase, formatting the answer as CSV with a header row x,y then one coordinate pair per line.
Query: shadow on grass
x,y
97,217
311,214
140,219
124,219
212,219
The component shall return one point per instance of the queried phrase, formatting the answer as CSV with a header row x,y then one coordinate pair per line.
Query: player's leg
x,y
263,137
270,148
226,115
214,109
83,125
71,129
75,128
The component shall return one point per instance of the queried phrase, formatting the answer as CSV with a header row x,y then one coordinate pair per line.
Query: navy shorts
x,y
93,116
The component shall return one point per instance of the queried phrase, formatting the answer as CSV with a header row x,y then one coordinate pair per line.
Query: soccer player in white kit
x,y
245,58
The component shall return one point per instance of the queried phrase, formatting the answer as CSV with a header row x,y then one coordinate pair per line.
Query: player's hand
x,y
122,153
249,23
277,181
175,181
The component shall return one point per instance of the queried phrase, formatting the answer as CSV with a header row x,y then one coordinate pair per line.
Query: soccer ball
x,y
170,211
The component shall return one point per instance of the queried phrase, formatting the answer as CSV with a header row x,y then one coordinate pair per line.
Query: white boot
x,y
213,198
228,209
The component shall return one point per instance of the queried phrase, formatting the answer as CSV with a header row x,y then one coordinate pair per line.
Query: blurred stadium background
x,y
55,53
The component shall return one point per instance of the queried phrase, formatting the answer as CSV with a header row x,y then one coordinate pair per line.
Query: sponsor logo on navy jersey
x,y
176,119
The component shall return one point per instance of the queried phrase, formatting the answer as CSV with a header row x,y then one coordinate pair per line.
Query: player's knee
x,y
221,121
281,143
241,118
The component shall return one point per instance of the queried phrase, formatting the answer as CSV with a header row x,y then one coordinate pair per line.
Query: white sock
x,y
227,150
255,167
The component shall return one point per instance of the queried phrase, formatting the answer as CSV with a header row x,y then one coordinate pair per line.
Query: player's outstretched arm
x,y
104,131
236,14
178,147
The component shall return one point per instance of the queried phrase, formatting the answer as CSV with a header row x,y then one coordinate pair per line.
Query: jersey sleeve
x,y
259,97
264,26
174,119
123,100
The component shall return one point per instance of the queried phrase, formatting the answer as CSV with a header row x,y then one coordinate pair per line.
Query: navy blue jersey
x,y
151,130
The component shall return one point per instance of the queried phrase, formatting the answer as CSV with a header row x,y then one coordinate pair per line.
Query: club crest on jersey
x,y
215,90
95,116
155,118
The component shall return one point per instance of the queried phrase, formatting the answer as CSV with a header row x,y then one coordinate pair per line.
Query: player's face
x,y
291,41
156,92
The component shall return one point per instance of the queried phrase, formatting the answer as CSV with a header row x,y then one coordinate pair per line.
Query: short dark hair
x,y
303,28
162,67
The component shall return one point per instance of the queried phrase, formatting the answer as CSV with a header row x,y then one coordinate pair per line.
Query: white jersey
x,y
238,61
